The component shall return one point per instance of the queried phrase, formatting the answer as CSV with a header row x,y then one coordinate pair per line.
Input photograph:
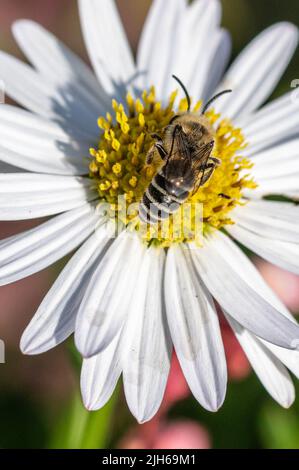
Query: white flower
x,y
129,304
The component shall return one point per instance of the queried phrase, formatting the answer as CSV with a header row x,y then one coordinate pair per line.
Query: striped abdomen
x,y
157,203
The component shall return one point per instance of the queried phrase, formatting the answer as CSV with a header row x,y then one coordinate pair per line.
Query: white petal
x,y
255,73
203,33
158,43
55,319
217,57
282,157
280,161
270,371
28,88
100,374
281,253
195,330
235,295
239,261
56,61
38,248
107,299
277,121
202,49
107,44
283,185
37,144
147,362
26,196
20,162
289,358
294,195
271,219
192,46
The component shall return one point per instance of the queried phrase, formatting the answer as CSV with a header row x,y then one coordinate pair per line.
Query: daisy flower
x,y
80,141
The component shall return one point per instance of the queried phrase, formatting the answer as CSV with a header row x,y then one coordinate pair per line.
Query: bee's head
x,y
179,176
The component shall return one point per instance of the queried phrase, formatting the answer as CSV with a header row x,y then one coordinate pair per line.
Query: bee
x,y
184,147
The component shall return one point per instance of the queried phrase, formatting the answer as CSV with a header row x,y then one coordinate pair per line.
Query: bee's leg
x,y
207,167
151,154
162,152
215,160
207,171
207,174
174,119
157,137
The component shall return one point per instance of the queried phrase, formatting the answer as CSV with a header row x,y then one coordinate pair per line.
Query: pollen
x,y
119,169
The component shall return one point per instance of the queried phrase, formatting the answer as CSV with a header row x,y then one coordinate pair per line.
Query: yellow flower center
x,y
119,169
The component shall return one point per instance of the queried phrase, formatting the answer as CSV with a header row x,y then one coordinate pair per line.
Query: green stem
x,y
82,429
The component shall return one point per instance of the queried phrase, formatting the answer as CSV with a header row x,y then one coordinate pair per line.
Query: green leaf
x,y
279,428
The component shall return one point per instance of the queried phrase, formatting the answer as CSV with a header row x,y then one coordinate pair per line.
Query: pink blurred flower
x,y
177,387
238,366
133,440
184,434
133,15
44,11
284,283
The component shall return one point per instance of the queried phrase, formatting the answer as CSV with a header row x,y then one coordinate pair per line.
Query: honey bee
x,y
185,147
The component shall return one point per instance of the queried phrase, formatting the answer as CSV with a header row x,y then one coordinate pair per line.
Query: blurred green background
x,y
39,397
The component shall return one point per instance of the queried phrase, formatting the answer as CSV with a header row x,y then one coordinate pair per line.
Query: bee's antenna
x,y
206,107
185,91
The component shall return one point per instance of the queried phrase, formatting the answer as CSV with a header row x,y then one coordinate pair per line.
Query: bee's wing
x,y
202,155
201,168
179,148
